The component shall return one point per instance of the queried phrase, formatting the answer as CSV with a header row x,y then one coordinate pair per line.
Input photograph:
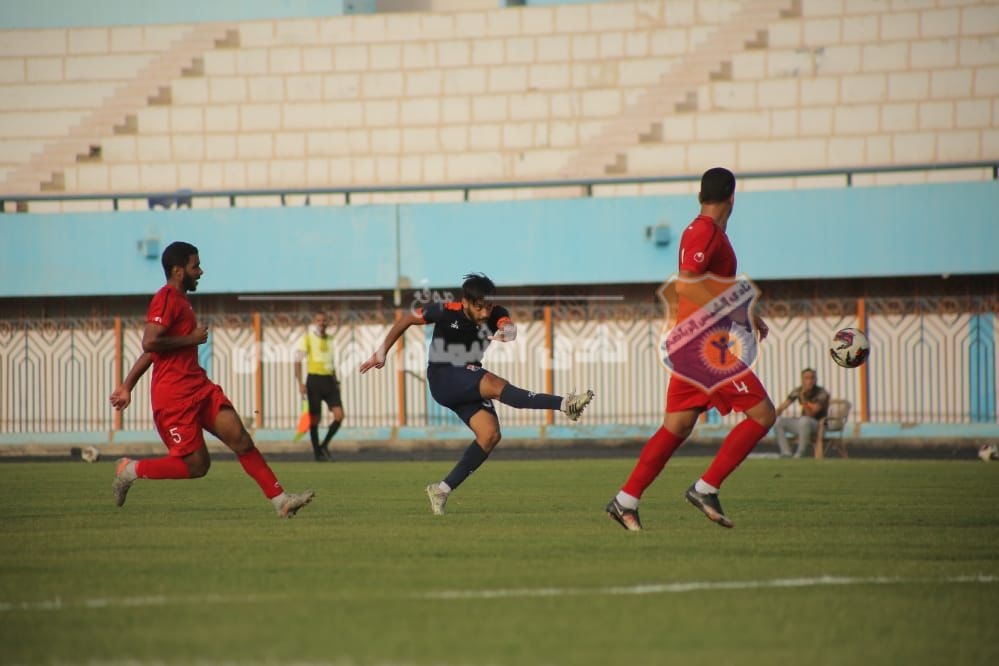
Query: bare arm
x,y
154,340
377,359
699,293
121,397
762,328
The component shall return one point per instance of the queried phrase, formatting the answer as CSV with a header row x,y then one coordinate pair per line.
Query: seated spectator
x,y
814,401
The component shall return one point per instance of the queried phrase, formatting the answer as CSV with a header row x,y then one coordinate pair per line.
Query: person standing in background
x,y
321,384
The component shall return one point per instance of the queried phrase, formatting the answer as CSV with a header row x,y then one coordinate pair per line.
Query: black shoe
x,y
709,505
626,518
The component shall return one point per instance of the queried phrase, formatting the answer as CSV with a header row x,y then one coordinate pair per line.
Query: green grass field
x,y
834,562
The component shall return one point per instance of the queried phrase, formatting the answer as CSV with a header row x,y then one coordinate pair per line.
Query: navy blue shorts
x,y
457,388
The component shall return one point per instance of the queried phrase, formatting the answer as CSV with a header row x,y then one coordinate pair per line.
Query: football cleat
x,y
709,505
575,403
122,482
626,518
293,502
438,498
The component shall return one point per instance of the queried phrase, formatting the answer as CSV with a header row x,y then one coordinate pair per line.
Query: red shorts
x,y
181,420
739,394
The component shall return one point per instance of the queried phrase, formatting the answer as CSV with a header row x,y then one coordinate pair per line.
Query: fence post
x,y
258,373
400,373
981,366
863,398
118,366
550,358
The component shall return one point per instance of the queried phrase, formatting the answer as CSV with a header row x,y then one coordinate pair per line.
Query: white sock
x,y
627,501
705,488
129,472
278,500
444,487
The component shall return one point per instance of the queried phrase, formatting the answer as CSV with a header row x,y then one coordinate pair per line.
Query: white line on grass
x,y
59,604
694,586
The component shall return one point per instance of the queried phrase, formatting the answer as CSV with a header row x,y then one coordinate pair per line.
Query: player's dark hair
x,y
717,185
176,254
477,287
811,370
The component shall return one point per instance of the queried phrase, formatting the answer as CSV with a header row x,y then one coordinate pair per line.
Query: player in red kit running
x,y
705,254
185,402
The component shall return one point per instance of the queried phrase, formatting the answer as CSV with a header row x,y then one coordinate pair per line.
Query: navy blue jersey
x,y
457,339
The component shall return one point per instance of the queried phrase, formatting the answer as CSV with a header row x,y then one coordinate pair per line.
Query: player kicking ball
x,y
462,332
185,402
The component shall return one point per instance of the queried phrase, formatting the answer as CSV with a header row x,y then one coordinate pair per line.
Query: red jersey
x,y
175,372
704,248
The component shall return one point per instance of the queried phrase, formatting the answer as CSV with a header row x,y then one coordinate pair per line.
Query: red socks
x,y
255,465
169,467
653,458
740,441
166,467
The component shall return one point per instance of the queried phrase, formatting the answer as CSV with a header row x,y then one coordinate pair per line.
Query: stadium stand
x,y
513,94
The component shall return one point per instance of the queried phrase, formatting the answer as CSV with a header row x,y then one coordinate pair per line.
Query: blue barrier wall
x,y
102,13
243,251
16,14
844,233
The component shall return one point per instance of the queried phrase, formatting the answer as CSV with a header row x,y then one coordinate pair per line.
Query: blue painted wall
x,y
549,3
17,14
76,13
889,231
886,231
981,369
243,251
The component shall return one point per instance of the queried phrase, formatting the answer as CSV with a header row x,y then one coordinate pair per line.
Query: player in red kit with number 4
x,y
185,402
706,258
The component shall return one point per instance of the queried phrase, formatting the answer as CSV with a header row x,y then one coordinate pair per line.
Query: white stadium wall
x,y
587,90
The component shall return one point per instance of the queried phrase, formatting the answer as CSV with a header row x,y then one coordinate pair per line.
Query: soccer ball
x,y
988,452
849,348
90,454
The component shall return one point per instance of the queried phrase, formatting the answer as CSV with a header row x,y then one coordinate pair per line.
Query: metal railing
x,y
932,360
585,185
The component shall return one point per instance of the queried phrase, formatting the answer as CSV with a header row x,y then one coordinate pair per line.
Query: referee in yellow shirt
x,y
321,384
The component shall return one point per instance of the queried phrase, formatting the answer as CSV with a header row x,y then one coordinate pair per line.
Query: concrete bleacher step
x,y
654,135
163,97
671,84
676,91
57,183
619,167
117,114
